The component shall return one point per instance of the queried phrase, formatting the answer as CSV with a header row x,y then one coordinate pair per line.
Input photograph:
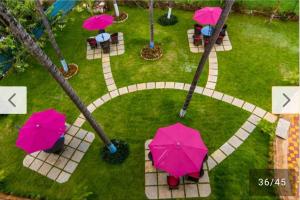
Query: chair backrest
x,y
173,181
92,41
114,35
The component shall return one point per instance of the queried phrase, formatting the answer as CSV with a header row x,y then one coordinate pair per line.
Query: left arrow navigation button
x,y
13,100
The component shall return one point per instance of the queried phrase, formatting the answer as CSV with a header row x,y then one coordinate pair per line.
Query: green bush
x,y
164,21
118,157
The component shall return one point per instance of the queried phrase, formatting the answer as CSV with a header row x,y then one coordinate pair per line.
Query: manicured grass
x,y
263,54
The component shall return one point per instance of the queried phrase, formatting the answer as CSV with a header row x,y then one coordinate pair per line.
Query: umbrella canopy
x,y
208,15
178,150
41,131
98,22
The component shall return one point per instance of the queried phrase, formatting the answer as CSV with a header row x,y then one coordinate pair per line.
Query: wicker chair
x,y
92,42
114,38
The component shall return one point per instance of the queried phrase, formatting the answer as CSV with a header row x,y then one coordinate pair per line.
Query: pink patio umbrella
x,y
178,150
41,131
208,15
98,22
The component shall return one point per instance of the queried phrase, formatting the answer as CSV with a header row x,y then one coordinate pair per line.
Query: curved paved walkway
x,y
229,146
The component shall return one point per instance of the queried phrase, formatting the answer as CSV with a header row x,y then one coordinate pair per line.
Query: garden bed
x,y
152,54
73,70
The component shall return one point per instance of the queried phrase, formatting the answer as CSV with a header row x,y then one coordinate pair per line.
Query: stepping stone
x,y
170,85
254,119
238,102
105,97
270,117
179,86
227,149
151,179
79,122
187,87
178,193
114,93
249,127
191,190
53,173
210,85
150,85
242,134
259,112
218,156
91,108
123,90
141,86
112,87
235,141
211,163
282,128
73,130
204,190
212,78
132,88
227,98
199,90
98,102
207,92
164,192
151,192
160,85
217,95
248,107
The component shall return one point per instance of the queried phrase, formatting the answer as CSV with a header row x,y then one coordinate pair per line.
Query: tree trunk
x,y
20,33
170,9
117,13
207,50
51,36
151,24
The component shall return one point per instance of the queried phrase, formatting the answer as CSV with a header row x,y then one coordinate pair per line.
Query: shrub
x,y
164,21
118,157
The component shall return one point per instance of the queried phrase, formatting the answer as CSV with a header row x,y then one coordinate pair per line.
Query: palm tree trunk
x,y
207,50
20,33
170,9
117,13
151,24
51,36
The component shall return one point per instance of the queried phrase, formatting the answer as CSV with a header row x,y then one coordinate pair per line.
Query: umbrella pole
x,y
207,50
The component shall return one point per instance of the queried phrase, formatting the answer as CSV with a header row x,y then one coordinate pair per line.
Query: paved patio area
x,y
225,46
115,49
156,186
60,167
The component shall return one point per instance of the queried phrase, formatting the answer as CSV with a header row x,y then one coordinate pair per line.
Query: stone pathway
x,y
156,186
60,167
108,77
225,46
257,113
213,71
115,49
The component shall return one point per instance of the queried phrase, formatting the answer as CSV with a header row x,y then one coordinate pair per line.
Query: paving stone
x,y
71,166
121,51
210,85
98,102
114,93
207,92
227,148
235,141
211,163
259,112
91,107
83,146
217,95
191,190
248,107
79,122
149,167
160,85
238,102
35,154
106,70
123,90
141,86
132,88
146,155
68,152
151,85
53,173
227,48
109,81
179,86
212,59
77,156
227,98
147,144
73,130
105,59
254,119
213,66
170,85
178,193
108,75
36,164
68,139
187,87
204,178
90,57
106,97
213,72
44,169
151,192
74,143
242,134
218,156
27,160
248,126
61,162
212,78
43,155
270,117
89,137
97,56
52,158
150,179
164,192
204,190
63,177
162,178
112,87
199,90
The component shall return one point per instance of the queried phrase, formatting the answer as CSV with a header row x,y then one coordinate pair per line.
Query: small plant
x,y
164,21
267,128
118,157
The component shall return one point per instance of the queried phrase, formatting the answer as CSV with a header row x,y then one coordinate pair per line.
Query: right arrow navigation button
x,y
286,100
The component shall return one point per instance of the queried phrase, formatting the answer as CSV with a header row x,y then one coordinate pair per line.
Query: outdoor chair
x,y
173,182
150,157
92,42
58,147
101,31
114,38
219,40
105,46
197,29
197,40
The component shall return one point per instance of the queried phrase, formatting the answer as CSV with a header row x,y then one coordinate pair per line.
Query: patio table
x,y
102,37
207,31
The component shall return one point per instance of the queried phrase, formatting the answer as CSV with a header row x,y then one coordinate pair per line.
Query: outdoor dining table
x,y
102,37
207,31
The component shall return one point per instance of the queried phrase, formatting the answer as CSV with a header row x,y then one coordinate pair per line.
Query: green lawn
x,y
262,56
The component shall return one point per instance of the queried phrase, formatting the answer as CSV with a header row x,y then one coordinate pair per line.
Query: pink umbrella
x,y
178,150
208,15
98,22
41,131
